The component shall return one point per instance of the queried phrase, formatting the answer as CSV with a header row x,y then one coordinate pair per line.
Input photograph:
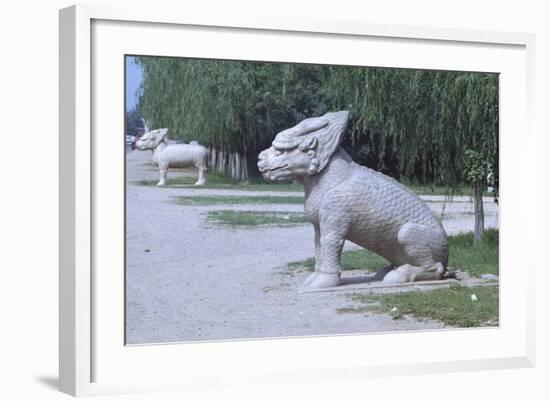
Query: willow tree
x,y
479,125
231,106
420,124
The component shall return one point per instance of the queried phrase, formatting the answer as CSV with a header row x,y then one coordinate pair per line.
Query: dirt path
x,y
189,280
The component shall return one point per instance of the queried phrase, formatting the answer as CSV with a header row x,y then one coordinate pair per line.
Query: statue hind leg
x,y
202,176
425,251
201,169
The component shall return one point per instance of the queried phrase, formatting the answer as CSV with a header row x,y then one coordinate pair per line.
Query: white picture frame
x,y
89,338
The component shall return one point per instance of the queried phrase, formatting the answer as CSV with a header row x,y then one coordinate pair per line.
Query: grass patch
x,y
453,306
475,260
361,309
216,181
246,218
236,200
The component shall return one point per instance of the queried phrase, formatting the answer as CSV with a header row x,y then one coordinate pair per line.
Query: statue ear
x,y
309,143
330,137
309,125
160,135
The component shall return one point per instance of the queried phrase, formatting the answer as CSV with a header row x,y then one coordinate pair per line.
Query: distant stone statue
x,y
167,155
344,200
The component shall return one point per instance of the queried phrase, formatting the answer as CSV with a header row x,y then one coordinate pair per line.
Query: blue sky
x,y
134,77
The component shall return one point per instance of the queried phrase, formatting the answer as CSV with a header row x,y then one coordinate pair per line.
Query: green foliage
x,y
411,123
476,166
418,123
453,306
229,105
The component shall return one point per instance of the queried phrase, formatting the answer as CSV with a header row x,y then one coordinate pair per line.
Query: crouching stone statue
x,y
346,201
174,155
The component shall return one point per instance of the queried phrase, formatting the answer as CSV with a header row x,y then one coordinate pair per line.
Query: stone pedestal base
x,y
371,282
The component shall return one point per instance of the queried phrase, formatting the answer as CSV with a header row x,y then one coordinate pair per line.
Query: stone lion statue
x,y
346,201
167,155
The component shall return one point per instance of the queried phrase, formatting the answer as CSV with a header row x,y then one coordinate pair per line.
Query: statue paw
x,y
323,280
383,272
310,278
161,184
402,274
200,182
409,273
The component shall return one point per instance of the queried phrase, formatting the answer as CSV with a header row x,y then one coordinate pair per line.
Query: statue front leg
x,y
163,171
328,272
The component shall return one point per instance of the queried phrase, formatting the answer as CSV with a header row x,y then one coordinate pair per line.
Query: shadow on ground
x,y
51,382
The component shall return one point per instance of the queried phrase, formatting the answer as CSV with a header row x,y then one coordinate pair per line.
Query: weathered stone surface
x,y
346,201
174,155
489,276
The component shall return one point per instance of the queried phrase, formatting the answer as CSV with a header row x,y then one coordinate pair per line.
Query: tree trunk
x,y
238,174
244,168
479,215
233,166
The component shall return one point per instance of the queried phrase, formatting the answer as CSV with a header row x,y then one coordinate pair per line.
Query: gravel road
x,y
189,280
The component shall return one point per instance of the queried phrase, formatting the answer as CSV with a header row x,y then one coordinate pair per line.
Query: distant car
x,y
130,140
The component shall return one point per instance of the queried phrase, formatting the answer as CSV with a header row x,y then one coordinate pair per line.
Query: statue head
x,y
304,149
151,139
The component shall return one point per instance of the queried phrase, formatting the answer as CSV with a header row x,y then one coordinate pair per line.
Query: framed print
x,y
315,200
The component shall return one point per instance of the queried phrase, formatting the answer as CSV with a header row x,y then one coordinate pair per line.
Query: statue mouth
x,y
271,170
276,173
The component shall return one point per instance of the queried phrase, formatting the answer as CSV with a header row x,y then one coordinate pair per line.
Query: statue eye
x,y
278,152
